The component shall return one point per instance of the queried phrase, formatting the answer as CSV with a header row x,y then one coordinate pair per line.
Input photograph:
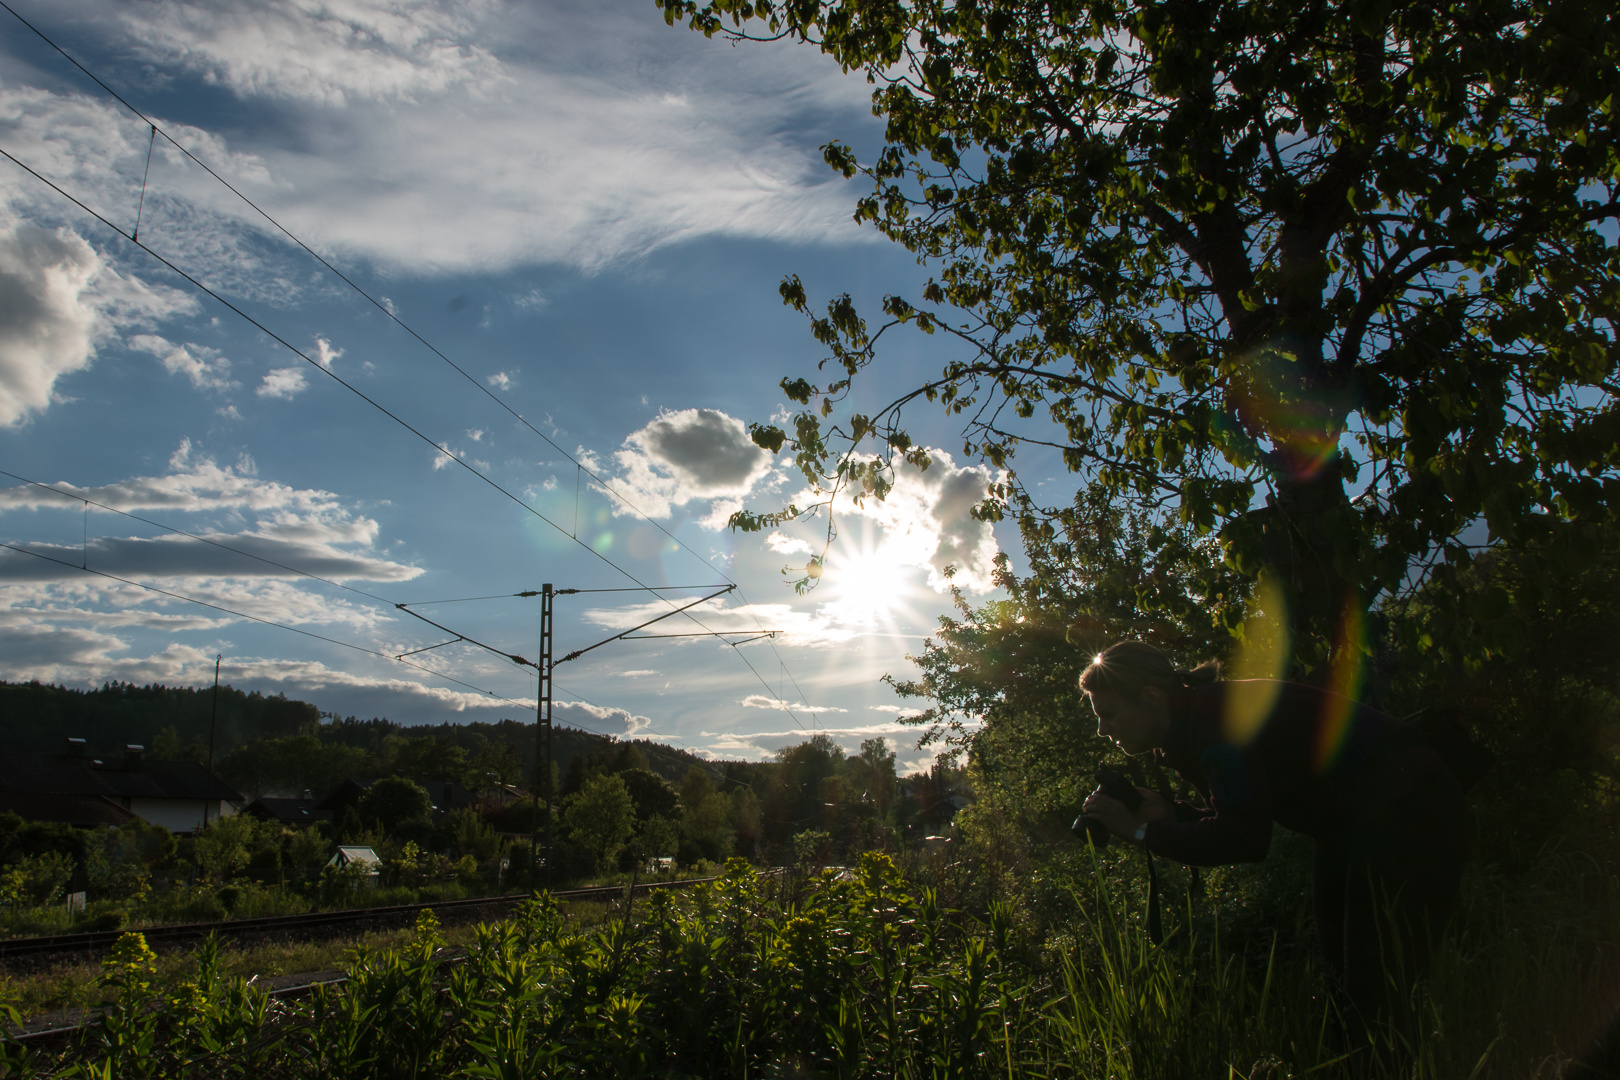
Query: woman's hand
x,y
1122,822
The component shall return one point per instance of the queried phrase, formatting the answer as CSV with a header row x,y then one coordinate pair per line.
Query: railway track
x,y
54,1027
34,952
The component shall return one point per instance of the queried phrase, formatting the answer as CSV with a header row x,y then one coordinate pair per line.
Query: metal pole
x,y
542,709
545,665
213,719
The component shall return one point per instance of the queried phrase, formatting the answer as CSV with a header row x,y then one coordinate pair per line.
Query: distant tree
x,y
705,818
226,845
657,837
746,814
600,817
306,851
652,794
395,801
118,861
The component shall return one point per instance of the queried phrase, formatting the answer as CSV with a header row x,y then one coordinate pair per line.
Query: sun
x,y
867,586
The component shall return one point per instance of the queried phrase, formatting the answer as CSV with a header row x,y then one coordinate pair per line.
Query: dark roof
x,y
62,774
447,794
84,810
346,794
164,780
287,811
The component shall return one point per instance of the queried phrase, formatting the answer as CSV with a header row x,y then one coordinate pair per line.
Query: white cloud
x,y
601,719
448,454
474,136
330,52
82,659
759,745
927,523
325,354
686,456
761,701
59,300
299,527
194,482
287,382
174,557
783,544
500,380
205,367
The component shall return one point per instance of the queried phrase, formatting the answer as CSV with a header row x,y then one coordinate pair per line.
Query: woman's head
x,y
1129,685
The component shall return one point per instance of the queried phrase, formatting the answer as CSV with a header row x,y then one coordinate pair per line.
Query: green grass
x,y
78,984
885,977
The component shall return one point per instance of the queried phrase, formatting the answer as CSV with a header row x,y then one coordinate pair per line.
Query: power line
x,y
374,301
203,539
386,310
259,619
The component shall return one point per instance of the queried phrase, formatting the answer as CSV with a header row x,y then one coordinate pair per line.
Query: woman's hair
x,y
1128,667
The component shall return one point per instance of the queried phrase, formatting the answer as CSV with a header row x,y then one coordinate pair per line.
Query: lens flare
x,y
1261,660
1273,397
1344,682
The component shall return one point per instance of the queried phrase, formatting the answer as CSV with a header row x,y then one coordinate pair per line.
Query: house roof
x,y
69,809
287,811
362,855
447,794
63,774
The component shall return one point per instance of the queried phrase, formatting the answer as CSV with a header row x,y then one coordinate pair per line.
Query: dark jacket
x,y
1261,752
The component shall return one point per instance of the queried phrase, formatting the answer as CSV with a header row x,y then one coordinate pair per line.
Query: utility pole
x,y
213,720
542,731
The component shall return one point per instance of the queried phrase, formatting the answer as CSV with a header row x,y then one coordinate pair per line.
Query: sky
x,y
564,224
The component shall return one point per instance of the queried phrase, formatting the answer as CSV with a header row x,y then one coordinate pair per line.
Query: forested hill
x,y
273,744
38,717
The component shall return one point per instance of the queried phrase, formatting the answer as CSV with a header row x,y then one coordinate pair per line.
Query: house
x,y
444,795
294,812
361,858
78,789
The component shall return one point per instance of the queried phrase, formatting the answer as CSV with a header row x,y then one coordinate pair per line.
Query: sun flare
x,y
867,586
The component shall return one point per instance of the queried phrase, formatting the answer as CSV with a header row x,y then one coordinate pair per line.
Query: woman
x,y
1391,829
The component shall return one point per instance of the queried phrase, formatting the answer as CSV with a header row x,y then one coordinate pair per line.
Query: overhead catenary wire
x,y
356,391
306,633
387,310
255,618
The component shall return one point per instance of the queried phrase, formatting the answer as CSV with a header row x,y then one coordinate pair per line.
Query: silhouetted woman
x,y
1391,828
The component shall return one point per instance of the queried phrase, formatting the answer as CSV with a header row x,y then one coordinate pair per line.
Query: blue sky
x,y
589,213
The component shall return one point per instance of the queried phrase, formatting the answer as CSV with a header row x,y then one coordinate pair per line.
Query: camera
x,y
1112,783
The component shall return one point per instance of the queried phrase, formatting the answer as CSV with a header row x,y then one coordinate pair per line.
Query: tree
x,y
706,831
395,802
1329,279
226,845
1001,680
652,794
600,817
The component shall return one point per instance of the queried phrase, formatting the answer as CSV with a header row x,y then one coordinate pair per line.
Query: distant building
x,y
362,857
444,795
304,811
77,789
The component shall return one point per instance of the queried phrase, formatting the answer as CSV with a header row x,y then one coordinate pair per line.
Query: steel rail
x,y
100,940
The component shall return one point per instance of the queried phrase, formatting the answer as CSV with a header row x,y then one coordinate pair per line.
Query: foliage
x,y
395,801
601,817
652,794
871,975
1333,279
35,880
1001,680
226,845
118,860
